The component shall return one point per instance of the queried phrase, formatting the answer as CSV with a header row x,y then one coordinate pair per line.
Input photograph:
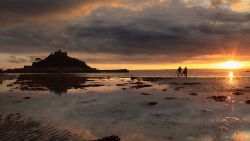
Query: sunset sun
x,y
231,65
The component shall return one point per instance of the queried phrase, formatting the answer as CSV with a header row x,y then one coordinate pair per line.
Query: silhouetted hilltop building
x,y
56,62
59,62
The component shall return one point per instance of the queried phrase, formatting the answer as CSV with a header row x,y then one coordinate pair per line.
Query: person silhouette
x,y
179,72
185,72
1,71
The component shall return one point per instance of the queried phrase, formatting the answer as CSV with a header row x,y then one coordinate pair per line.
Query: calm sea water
x,y
172,73
191,73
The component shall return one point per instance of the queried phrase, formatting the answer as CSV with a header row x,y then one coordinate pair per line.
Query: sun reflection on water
x,y
231,76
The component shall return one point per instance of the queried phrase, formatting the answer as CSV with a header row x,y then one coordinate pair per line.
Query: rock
x,y
152,79
195,83
93,85
237,93
206,110
193,94
139,86
151,103
9,85
248,102
157,115
164,90
110,138
218,98
170,98
56,62
26,97
124,84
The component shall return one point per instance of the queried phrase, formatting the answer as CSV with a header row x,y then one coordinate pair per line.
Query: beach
x,y
125,70
138,108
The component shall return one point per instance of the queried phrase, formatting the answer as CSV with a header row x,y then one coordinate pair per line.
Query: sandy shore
x,y
132,109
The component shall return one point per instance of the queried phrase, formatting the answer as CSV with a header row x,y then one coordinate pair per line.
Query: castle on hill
x,y
59,62
56,62
59,53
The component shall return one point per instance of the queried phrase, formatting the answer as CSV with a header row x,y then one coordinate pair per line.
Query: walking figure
x,y
1,72
185,71
179,70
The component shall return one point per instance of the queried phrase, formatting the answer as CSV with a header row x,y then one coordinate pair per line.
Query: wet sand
x,y
74,107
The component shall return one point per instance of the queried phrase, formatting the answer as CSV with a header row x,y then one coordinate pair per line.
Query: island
x,y
60,62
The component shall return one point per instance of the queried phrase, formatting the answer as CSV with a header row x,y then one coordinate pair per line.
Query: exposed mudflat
x,y
74,107
19,127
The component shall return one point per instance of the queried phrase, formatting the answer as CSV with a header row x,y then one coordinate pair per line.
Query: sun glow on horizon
x,y
231,65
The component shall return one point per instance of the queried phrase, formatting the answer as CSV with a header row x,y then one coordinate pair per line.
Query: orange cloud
x,y
235,5
240,5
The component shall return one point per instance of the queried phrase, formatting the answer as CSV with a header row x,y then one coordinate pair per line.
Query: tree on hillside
x,y
38,59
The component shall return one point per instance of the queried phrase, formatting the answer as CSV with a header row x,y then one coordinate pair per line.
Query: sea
x,y
172,73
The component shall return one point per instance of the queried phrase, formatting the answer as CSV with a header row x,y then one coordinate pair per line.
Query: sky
x,y
133,34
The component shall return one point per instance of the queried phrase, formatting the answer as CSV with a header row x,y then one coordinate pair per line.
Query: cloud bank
x,y
169,30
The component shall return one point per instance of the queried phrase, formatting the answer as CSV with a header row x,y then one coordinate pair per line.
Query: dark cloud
x,y
36,7
193,39
227,16
167,33
16,11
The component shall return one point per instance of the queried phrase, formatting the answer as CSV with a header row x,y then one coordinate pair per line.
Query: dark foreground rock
x,y
190,84
26,97
193,94
170,98
152,79
248,102
238,93
151,103
218,98
110,138
206,111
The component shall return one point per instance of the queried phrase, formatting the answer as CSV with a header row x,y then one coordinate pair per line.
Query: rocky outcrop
x,y
57,62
